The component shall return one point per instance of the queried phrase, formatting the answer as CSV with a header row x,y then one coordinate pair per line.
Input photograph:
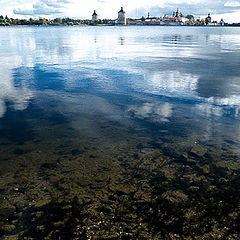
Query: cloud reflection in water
x,y
152,112
17,97
142,63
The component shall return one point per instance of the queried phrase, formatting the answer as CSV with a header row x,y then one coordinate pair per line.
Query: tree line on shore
x,y
6,21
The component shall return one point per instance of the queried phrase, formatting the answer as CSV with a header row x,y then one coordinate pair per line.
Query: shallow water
x,y
119,132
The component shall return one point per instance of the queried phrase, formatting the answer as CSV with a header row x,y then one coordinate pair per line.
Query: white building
x,y
175,19
122,17
94,16
222,23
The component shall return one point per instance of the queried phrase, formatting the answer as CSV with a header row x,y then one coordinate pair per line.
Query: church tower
x,y
122,17
94,16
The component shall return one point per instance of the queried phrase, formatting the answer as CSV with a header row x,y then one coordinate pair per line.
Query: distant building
x,y
151,20
177,14
94,16
131,21
222,23
198,22
208,19
175,19
122,17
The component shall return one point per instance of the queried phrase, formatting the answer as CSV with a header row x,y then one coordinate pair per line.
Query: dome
x,y
121,11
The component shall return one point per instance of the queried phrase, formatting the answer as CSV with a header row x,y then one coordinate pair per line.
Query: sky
x,y
229,10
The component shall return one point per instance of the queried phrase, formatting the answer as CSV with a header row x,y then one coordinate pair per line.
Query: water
x,y
119,132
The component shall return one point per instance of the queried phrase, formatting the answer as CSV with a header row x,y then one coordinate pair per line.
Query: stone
x,y
233,215
8,228
76,152
176,196
40,228
206,169
194,188
18,151
198,151
49,165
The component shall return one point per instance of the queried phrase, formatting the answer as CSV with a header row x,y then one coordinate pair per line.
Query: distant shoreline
x,y
118,25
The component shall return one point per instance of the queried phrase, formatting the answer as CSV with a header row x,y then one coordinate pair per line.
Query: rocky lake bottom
x,y
119,132
121,184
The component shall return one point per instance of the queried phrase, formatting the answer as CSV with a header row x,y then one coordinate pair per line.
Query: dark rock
x,y
120,159
76,152
104,209
112,198
7,229
49,165
18,151
171,152
184,160
154,144
120,193
6,212
135,156
139,146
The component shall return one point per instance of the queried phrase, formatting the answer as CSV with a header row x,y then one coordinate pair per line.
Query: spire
x,y
94,16
122,10
177,13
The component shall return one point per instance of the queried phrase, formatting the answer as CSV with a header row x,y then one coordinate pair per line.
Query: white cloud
x,y
109,8
232,3
43,7
228,17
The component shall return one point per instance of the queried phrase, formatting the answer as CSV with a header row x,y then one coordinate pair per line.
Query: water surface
x,y
133,132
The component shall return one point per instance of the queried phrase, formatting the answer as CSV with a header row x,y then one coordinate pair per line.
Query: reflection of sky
x,y
197,64
18,97
154,112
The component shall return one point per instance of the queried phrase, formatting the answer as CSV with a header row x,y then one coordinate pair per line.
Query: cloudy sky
x,y
228,9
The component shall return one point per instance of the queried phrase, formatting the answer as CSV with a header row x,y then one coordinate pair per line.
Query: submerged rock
x,y
198,151
76,152
19,151
176,196
49,165
7,229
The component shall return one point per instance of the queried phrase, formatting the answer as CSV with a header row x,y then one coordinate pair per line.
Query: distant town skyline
x,y
227,9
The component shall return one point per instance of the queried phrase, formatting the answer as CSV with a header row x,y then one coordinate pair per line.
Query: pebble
x,y
8,228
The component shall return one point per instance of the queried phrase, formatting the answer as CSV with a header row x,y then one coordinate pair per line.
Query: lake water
x,y
120,132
